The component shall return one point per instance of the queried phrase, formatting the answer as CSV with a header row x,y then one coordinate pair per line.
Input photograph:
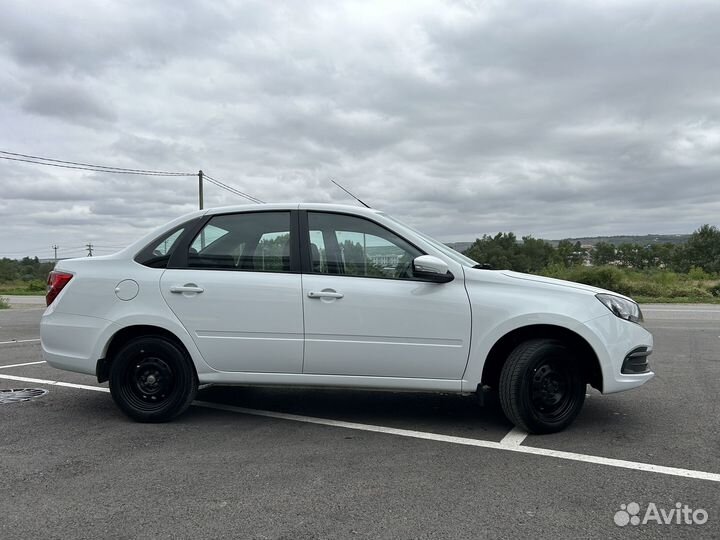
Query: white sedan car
x,y
333,296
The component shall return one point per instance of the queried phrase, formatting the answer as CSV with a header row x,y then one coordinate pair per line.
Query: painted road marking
x,y
685,328
663,310
54,383
19,341
25,364
571,456
514,438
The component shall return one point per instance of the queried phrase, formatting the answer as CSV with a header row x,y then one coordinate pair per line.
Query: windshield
x,y
454,255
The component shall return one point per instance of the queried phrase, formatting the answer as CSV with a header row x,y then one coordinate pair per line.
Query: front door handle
x,y
187,288
325,294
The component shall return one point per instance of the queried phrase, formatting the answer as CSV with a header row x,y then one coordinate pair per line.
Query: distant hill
x,y
459,246
592,240
643,240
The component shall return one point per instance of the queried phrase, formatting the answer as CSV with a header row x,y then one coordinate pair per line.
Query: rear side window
x,y
157,254
253,241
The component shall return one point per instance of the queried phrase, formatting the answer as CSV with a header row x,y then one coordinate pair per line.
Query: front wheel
x,y
152,379
541,386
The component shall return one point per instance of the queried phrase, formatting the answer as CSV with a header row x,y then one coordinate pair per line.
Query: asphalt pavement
x,y
299,463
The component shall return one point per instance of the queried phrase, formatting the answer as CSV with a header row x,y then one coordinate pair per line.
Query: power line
x,y
93,169
231,189
64,164
91,166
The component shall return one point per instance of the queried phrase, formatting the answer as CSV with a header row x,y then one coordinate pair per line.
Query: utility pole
x,y
89,247
200,189
55,248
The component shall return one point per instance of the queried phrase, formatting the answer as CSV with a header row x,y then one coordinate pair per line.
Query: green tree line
x,y
701,253
26,269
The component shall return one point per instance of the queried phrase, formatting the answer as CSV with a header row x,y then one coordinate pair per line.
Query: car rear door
x,y
236,287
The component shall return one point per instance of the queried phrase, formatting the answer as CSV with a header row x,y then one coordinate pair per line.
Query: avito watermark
x,y
680,514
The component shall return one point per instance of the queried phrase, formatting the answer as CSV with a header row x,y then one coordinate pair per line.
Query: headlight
x,y
623,308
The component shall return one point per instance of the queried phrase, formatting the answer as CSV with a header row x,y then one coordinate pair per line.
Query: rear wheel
x,y
152,379
542,388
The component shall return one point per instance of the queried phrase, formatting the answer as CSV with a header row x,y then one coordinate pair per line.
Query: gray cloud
x,y
463,118
69,102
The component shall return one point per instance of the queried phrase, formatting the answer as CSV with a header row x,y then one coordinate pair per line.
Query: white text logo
x,y
681,514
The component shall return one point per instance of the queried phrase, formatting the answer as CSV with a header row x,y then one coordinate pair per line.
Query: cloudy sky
x,y
553,118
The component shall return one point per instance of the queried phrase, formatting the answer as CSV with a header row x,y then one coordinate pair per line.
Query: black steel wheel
x,y
152,379
542,388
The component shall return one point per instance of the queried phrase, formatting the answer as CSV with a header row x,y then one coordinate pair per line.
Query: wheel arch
x,y
127,333
504,346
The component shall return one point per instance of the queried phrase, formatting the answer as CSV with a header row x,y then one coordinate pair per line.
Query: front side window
x,y
448,251
353,246
256,242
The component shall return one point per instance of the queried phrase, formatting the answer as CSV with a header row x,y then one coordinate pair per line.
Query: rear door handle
x,y
325,294
187,288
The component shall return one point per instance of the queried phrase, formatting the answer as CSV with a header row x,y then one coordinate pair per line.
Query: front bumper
x,y
614,341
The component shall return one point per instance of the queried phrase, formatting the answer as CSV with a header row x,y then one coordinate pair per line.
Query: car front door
x,y
365,312
236,288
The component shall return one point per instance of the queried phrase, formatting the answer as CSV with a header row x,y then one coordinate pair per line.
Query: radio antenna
x,y
353,196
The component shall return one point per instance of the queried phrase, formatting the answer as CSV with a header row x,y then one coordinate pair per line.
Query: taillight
x,y
55,283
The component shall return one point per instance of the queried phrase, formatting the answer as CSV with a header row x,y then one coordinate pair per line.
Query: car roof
x,y
327,207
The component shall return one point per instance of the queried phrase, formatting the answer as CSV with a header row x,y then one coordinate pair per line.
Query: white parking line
x,y
508,447
19,341
651,310
683,328
54,383
25,364
514,438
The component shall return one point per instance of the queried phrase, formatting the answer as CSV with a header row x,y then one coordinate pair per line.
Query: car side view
x,y
333,296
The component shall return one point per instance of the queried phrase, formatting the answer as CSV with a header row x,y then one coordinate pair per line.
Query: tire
x,y
152,379
542,388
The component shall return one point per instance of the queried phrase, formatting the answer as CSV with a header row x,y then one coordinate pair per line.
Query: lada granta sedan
x,y
333,296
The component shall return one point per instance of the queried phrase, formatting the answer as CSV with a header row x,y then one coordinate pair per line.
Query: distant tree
x,y
357,263
272,252
703,249
26,269
632,256
661,255
537,254
570,254
504,251
602,253
499,251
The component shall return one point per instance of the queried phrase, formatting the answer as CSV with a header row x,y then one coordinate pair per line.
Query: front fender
x,y
485,337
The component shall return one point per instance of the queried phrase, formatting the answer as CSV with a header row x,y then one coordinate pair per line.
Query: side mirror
x,y
431,269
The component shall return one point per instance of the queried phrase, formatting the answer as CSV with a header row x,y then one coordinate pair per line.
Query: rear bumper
x,y
69,341
614,340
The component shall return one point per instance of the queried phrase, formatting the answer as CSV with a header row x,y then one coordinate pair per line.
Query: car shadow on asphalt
x,y
448,414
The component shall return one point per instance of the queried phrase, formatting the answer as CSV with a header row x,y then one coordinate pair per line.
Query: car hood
x,y
556,282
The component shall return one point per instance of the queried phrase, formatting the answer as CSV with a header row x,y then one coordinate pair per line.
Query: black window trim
x,y
178,259
189,226
304,246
